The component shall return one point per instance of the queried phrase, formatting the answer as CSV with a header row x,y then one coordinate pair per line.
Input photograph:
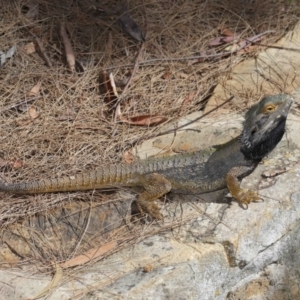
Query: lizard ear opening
x,y
254,130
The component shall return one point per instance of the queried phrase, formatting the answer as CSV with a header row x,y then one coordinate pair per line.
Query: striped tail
x,y
112,176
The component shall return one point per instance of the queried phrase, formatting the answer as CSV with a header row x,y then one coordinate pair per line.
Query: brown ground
x,y
68,126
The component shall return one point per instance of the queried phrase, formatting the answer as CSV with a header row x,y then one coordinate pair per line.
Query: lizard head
x,y
264,126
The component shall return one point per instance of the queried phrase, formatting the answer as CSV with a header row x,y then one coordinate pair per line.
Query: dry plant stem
x,y
43,52
84,231
222,54
135,67
274,47
113,84
41,48
267,78
182,126
118,109
21,103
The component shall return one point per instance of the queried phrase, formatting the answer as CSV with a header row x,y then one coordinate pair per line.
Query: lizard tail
x,y
119,175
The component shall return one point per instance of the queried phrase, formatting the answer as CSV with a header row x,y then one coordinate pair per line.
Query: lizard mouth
x,y
259,136
245,140
260,133
247,144
259,144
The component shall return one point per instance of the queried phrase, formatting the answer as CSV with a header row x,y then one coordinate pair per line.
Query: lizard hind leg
x,y
155,186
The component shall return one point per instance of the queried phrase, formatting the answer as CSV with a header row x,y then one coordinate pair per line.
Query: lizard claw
x,y
150,208
244,197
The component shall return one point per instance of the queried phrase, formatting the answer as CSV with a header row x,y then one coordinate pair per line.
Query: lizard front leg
x,y
155,186
241,195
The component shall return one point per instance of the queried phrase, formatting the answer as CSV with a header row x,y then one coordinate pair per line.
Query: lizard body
x,y
195,172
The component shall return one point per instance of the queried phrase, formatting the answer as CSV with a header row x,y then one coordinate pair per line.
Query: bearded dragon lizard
x,y
263,129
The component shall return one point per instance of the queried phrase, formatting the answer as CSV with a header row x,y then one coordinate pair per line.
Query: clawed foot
x,y
150,208
244,197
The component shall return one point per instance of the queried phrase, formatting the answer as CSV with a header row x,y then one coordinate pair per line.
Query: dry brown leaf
x,y
89,255
29,48
166,75
189,98
128,157
108,88
70,55
226,36
35,90
144,120
17,164
32,112
226,32
221,40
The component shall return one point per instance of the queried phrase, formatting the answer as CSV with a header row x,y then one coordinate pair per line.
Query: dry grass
x,y
75,130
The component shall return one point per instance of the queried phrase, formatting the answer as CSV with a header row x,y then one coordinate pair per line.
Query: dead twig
x,y
70,55
218,55
26,101
42,51
135,67
274,47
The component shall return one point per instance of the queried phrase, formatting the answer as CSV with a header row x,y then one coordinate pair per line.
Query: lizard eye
x,y
269,108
